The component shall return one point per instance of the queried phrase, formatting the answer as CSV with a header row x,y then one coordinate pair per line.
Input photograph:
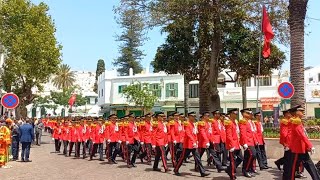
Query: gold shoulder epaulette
x,y
210,120
171,122
142,123
186,123
242,121
227,122
154,123
255,121
201,123
120,124
284,121
296,121
107,123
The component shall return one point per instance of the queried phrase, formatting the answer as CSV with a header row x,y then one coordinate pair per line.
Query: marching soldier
x,y
158,141
300,146
82,131
98,140
132,141
65,136
248,142
223,141
260,148
113,138
232,143
73,137
146,137
56,136
190,145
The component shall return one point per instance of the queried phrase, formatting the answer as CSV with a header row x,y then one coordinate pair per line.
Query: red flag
x,y
268,33
72,99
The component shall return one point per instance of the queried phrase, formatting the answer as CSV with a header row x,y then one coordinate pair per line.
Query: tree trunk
x,y
21,111
297,14
244,93
186,95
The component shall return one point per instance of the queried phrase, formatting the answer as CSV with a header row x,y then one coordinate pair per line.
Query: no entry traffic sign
x,y
10,100
286,90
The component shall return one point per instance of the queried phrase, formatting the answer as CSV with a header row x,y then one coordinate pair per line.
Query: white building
x,y
85,81
171,96
169,89
312,91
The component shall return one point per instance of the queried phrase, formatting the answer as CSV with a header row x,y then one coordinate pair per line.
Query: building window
x,y
264,81
319,77
156,90
193,90
310,80
101,92
172,90
238,83
121,88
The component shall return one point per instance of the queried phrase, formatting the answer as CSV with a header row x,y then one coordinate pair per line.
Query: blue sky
x,y
87,31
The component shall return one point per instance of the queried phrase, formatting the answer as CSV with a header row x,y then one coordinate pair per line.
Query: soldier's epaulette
x,y
107,123
201,123
171,122
242,121
142,123
296,121
120,123
227,122
93,125
126,124
284,121
211,120
154,123
186,123
254,121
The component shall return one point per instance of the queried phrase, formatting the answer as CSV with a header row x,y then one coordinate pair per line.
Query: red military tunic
x,y
246,133
285,126
160,131
223,132
113,132
190,137
259,132
132,133
216,128
203,134
147,130
65,133
74,134
56,132
232,131
300,143
98,134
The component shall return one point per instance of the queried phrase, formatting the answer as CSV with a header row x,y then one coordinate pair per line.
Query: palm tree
x,y
64,78
297,15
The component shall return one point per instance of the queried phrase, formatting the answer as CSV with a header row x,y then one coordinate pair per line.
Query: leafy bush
x,y
311,123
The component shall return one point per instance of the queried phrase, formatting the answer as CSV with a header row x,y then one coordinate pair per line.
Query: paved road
x,y
51,166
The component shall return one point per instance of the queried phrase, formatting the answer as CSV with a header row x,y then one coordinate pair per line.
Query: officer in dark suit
x,y
26,137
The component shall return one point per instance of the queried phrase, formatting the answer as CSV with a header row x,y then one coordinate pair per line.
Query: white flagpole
x,y
259,72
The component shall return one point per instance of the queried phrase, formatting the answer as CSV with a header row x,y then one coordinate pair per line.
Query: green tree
x,y
140,95
27,34
297,15
132,37
177,55
215,20
62,98
100,69
64,77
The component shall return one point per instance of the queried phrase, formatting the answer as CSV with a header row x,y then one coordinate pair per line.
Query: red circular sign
x,y
10,101
286,90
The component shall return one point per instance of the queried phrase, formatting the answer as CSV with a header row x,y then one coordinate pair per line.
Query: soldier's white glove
x,y
119,142
231,150
174,142
93,142
165,145
153,146
245,146
286,148
109,141
208,145
52,139
142,143
194,145
127,142
313,150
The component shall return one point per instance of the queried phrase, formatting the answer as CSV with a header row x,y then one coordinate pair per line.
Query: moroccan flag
x,y
268,33
72,99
